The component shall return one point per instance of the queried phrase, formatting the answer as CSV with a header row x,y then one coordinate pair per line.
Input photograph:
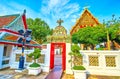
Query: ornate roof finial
x,y
24,11
86,7
60,21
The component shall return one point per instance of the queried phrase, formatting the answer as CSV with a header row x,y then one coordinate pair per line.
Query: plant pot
x,y
79,74
34,70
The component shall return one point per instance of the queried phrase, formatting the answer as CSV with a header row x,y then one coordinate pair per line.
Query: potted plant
x,y
78,70
34,68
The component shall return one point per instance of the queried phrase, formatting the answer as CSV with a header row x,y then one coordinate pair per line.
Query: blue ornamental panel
x,y
16,25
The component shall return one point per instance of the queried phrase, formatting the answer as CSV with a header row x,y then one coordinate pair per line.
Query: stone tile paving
x,y
56,73
40,76
66,76
24,75
5,76
11,74
102,77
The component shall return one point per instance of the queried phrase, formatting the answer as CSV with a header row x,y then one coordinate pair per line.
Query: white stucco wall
x,y
1,54
68,57
44,66
102,69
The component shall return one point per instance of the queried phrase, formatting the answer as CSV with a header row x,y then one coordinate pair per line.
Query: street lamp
x,y
24,40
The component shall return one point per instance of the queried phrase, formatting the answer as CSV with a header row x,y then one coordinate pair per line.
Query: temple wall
x,y
102,62
98,62
46,65
43,61
5,52
1,54
68,57
15,58
95,62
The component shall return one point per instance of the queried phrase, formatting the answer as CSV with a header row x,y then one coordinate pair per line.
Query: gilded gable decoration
x,y
86,19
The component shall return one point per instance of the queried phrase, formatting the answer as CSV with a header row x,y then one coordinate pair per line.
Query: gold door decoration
x,y
78,61
17,57
110,61
93,61
41,59
28,59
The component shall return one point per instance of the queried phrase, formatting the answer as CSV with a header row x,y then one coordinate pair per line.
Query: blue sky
x,y
68,10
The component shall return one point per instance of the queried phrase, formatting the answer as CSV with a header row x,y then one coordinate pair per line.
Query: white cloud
x,y
52,10
14,8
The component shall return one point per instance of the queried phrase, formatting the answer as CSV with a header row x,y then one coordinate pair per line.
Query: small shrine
x,y
59,34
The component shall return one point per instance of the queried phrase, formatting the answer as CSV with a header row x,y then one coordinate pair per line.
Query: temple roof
x,y
86,19
9,27
5,20
10,38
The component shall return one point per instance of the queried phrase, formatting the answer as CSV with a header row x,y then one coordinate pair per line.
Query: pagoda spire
x,y
60,21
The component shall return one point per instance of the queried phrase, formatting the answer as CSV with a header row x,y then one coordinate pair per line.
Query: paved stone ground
x,y
66,76
11,74
102,77
56,73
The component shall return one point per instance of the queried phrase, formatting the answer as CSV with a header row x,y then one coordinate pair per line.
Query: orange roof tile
x,y
5,20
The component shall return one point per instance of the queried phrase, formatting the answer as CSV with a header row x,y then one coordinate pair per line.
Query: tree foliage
x,y
114,31
40,29
90,35
113,27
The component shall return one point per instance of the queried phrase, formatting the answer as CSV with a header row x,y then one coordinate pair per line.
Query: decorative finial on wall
x,y
60,21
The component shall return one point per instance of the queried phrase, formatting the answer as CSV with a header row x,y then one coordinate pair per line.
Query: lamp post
x,y
25,39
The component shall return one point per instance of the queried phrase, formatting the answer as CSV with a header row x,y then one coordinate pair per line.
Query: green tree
x,y
40,29
90,36
113,27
